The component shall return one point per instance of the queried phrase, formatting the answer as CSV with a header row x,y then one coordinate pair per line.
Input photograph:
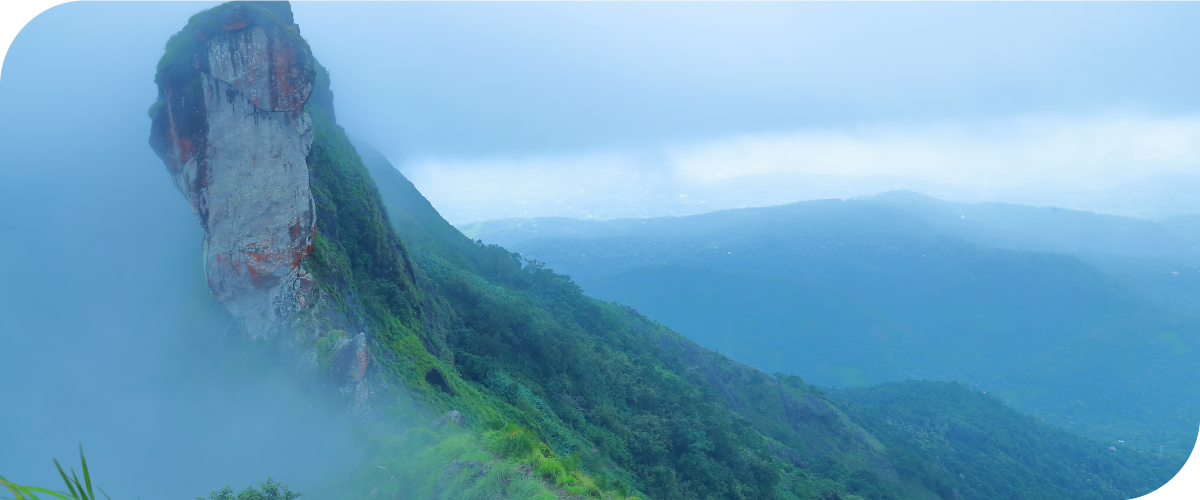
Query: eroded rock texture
x,y
230,127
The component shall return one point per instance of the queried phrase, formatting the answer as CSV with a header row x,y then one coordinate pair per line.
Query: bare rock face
x,y
453,417
231,129
350,359
348,370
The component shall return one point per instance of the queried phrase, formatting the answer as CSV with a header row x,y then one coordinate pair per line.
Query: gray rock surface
x,y
307,368
350,359
234,137
453,417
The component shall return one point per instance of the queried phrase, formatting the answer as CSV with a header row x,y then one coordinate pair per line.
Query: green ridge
x,y
563,395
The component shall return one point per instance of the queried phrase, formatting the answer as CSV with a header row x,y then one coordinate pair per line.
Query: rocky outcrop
x,y
348,371
350,359
230,127
453,417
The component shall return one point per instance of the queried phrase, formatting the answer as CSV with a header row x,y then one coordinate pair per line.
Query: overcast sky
x,y
464,81
982,93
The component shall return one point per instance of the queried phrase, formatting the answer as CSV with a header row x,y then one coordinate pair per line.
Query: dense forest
x,y
817,447
1043,307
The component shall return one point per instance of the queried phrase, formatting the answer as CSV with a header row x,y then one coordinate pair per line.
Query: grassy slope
x,y
640,408
825,448
1053,334
651,406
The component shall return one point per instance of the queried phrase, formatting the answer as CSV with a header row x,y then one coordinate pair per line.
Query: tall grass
x,y
76,490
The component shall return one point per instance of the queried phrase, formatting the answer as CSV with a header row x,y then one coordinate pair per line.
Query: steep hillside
x,y
1053,333
472,372
828,445
982,448
1158,259
758,320
513,348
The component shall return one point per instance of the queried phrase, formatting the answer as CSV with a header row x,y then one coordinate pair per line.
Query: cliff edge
x,y
230,126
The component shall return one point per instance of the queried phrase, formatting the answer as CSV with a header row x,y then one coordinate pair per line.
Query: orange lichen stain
x,y
230,263
294,230
185,148
255,274
299,256
182,145
284,65
236,25
203,174
361,367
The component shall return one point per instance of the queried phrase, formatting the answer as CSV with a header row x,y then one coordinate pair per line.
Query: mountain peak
x,y
230,127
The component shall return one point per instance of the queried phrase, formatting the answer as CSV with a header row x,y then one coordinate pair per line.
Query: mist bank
x,y
1130,165
112,339
469,195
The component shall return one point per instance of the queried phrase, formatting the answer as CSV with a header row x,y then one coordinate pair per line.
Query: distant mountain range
x,y
468,195
1154,197
1085,320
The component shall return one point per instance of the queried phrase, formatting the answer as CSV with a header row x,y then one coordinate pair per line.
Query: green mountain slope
x,y
983,449
544,392
759,320
828,451
1054,334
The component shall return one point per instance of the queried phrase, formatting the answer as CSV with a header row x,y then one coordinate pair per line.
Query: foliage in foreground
x,y
269,490
76,490
505,462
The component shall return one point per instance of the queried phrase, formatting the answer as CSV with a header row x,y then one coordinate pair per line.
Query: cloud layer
x,y
1037,160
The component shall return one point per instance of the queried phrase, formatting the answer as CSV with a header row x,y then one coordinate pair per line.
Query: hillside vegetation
x,y
673,431
1043,307
492,376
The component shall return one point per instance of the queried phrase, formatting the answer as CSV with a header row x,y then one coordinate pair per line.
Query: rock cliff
x,y
230,126
297,244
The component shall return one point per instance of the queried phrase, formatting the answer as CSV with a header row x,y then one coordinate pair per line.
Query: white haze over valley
x,y
1120,163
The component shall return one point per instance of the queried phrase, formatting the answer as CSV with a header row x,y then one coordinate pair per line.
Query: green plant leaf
x,y
79,486
11,487
27,490
87,479
66,479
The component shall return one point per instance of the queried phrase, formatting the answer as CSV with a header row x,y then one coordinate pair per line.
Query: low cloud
x,y
1034,150
1033,160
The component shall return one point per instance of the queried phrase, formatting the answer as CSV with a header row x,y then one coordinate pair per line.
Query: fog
x,y
109,336
111,339
1135,166
498,110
